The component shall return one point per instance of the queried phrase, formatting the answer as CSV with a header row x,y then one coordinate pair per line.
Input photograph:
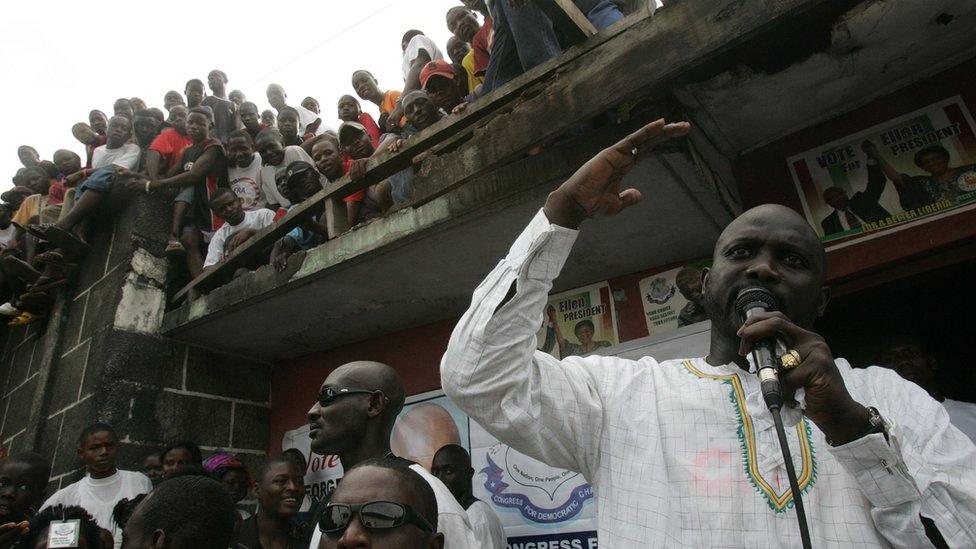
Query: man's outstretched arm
x,y
543,407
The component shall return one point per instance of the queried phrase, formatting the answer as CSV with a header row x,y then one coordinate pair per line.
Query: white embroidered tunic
x,y
684,454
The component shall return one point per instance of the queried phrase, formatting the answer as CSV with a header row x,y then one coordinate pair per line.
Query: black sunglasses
x,y
373,515
328,395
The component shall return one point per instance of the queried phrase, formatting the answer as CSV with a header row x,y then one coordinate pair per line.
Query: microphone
x,y
748,302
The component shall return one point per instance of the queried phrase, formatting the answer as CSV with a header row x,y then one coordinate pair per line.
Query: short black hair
x,y
40,468
124,508
49,168
191,448
95,428
193,81
192,510
416,482
26,148
89,528
223,75
251,104
122,100
204,110
143,112
266,464
934,149
243,134
364,71
407,36
218,194
269,134
291,110
296,456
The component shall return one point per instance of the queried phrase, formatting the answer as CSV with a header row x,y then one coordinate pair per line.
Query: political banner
x,y
535,502
322,473
912,167
673,298
578,322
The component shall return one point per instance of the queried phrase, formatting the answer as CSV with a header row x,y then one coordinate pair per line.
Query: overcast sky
x,y
61,59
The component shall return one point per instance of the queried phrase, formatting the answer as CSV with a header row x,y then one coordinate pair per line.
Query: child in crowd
x,y
367,88
349,110
239,225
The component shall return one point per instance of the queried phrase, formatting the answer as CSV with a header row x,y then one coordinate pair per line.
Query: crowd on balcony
x,y
230,170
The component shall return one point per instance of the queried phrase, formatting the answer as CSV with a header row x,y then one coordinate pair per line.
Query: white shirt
x,y
452,520
684,454
414,47
246,183
307,118
256,220
487,526
269,173
126,156
99,496
962,415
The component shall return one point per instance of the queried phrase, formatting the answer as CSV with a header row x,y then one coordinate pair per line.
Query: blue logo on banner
x,y
496,486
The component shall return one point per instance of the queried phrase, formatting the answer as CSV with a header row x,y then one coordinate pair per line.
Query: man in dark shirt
x,y
251,119
225,111
856,210
280,489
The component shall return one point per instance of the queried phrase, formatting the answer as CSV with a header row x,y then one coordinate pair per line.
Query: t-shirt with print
x,y
254,220
246,184
225,116
126,156
414,47
99,496
200,212
270,174
170,145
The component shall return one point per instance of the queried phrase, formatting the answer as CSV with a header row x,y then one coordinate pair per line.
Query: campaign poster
x,y
322,472
537,504
578,322
673,299
915,166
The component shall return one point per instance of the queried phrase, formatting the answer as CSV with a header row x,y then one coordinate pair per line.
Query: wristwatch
x,y
876,423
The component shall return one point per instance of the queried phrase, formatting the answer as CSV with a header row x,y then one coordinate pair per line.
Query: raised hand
x,y
594,190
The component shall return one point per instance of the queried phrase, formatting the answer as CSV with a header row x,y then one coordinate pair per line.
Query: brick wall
x,y
98,358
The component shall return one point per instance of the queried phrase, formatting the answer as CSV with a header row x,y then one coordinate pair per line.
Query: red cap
x,y
436,68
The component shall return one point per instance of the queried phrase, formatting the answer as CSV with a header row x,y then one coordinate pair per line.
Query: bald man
x,y
370,487
353,418
685,450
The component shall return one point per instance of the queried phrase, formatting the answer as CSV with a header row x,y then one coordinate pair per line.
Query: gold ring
x,y
790,360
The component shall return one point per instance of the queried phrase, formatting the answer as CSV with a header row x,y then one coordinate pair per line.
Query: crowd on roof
x,y
231,170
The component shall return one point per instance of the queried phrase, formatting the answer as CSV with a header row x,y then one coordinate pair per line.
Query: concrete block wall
x,y
99,358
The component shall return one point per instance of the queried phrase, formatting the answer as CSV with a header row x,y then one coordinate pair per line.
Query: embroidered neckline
x,y
778,502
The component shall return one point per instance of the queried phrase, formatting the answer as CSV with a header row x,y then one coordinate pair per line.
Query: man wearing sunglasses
x,y
353,418
381,503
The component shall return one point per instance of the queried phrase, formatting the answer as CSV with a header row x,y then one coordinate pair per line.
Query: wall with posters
x,y
933,111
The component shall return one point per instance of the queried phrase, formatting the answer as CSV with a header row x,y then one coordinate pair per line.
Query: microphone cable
x,y
774,405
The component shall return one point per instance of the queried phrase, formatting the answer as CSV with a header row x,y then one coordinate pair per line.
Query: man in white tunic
x,y
683,453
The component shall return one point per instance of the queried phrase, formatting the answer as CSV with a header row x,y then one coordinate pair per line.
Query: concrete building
x,y
764,85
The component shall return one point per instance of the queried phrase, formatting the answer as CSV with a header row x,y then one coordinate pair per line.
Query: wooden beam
x,y
568,19
650,55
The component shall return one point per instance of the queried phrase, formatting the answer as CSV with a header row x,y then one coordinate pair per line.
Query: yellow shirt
x,y
30,207
468,64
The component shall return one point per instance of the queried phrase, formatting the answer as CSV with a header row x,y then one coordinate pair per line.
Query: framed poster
x,y
912,167
673,298
578,322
